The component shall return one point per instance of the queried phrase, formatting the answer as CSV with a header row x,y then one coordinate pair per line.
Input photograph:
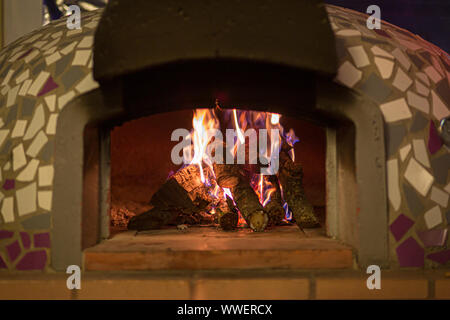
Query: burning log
x,y
274,207
291,180
228,215
228,176
181,194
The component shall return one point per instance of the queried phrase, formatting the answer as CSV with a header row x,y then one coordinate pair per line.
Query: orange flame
x,y
205,120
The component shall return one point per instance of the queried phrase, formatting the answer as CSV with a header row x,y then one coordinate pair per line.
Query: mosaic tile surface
x,y
404,75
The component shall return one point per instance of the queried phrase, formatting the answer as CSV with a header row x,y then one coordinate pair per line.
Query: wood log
x,y
181,194
291,180
274,207
228,215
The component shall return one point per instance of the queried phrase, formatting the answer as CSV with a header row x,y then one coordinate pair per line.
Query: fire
x,y
263,188
205,121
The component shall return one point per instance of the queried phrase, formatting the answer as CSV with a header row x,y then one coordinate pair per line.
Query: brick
x,y
355,288
442,289
252,289
141,289
34,290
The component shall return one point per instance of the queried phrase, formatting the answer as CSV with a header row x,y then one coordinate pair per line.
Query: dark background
x,y
430,19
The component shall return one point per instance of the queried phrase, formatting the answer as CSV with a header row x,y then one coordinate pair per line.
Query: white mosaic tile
x,y
418,102
16,56
52,58
8,77
422,89
39,44
423,77
91,25
447,189
51,124
348,74
45,200
433,217
35,147
385,67
437,65
401,80
23,76
420,152
395,110
402,58
19,128
33,38
12,96
26,199
25,87
36,124
348,33
57,34
69,48
65,98
81,57
50,101
8,209
418,177
74,32
51,44
7,166
33,54
3,134
87,42
359,56
4,90
393,184
16,50
87,84
29,172
433,74
409,44
18,157
38,83
46,176
439,196
50,51
440,111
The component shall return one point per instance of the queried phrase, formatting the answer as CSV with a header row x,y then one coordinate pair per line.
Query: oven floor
x,y
196,248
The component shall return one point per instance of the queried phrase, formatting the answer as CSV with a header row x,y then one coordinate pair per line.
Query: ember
x,y
255,192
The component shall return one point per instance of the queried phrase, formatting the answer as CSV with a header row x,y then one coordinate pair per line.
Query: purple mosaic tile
x,y
5,234
382,33
441,257
433,238
42,240
13,250
25,54
2,263
434,140
400,226
48,86
34,260
9,184
410,254
26,241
